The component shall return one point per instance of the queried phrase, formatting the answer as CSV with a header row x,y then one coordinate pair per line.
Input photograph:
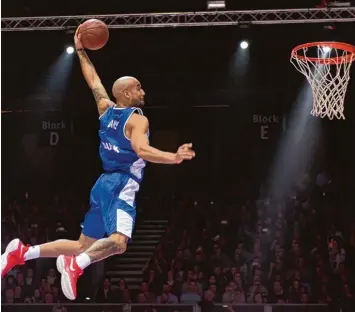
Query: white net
x,y
328,73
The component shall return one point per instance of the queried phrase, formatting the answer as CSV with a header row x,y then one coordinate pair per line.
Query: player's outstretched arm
x,y
137,130
92,78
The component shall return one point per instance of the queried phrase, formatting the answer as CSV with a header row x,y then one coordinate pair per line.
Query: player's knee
x,y
84,243
120,241
82,247
121,248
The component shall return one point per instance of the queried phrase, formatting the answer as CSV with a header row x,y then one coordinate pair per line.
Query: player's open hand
x,y
78,44
184,152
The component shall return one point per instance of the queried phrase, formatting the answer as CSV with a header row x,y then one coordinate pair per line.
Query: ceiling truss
x,y
184,19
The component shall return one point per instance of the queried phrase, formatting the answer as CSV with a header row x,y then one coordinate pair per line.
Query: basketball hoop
x,y
326,66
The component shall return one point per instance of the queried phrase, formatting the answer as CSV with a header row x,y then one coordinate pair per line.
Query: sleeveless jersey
x,y
116,152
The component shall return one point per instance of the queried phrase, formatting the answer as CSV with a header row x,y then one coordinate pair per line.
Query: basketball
x,y
94,34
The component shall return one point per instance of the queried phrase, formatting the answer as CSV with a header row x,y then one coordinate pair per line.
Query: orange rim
x,y
349,57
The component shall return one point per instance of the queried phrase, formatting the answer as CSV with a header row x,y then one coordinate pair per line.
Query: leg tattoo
x,y
103,249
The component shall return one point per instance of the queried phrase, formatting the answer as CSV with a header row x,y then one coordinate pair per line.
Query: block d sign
x,y
54,131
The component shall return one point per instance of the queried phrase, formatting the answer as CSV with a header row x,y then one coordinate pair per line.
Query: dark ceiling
x,y
187,63
69,7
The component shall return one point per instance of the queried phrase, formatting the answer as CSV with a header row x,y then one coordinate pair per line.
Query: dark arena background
x,y
261,220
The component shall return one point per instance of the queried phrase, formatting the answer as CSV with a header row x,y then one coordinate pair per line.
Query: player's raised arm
x,y
137,130
91,76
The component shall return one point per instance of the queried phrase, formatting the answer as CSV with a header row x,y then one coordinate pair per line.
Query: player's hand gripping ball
x,y
93,34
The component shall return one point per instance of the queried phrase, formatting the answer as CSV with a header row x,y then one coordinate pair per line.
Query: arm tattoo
x,y
102,249
99,94
91,76
84,57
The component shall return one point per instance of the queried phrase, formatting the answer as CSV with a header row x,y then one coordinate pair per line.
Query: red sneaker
x,y
13,255
70,271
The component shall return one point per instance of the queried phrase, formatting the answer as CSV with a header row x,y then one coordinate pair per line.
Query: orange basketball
x,y
94,34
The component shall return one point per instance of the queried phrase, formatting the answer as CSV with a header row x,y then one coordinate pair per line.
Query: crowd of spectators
x,y
298,250
34,223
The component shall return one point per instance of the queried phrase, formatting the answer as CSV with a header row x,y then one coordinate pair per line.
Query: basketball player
x,y
124,150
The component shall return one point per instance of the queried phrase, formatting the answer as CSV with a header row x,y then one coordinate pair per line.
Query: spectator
x,y
190,278
52,277
141,298
105,294
304,298
256,289
276,293
9,296
192,294
347,299
219,259
55,293
233,294
257,298
294,293
208,301
36,298
48,298
10,282
167,296
146,294
18,296
126,296
154,282
239,297
29,281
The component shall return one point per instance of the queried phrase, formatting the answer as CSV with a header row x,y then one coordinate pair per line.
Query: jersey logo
x,y
113,124
110,147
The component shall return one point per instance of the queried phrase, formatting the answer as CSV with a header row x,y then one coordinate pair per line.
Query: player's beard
x,y
140,103
137,103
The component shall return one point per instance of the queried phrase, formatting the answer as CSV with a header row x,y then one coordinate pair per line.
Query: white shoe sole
x,y
13,245
65,280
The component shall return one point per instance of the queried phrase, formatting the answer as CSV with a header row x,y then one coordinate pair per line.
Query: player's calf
x,y
17,253
72,267
103,248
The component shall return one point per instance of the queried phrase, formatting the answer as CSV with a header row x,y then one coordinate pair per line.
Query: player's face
x,y
136,94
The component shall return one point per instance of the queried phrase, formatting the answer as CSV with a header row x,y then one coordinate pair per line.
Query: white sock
x,y
32,253
83,261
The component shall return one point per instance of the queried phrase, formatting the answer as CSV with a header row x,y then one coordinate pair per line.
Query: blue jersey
x,y
116,151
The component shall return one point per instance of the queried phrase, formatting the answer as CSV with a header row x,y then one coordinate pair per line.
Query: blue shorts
x,y
113,206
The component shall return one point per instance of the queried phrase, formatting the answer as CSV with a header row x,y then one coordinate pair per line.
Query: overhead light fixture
x,y
70,50
244,45
244,24
339,4
215,5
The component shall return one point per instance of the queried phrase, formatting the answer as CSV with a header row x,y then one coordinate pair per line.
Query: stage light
x,y
244,45
214,5
326,49
70,50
